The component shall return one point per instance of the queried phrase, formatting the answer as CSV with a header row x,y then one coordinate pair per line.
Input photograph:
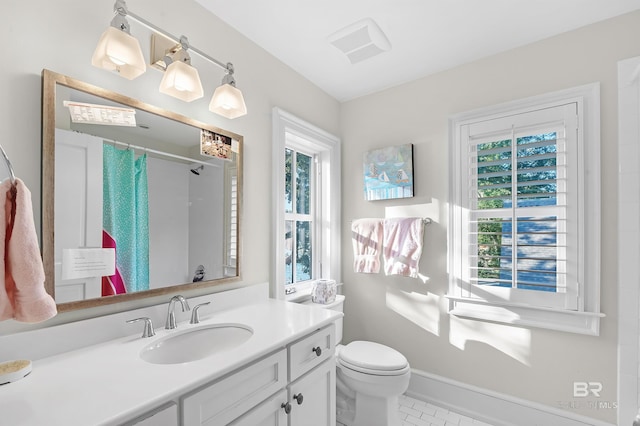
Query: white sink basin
x,y
196,343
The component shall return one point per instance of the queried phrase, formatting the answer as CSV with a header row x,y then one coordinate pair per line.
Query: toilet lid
x,y
372,356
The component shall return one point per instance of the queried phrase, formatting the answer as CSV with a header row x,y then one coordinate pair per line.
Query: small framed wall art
x,y
388,173
215,145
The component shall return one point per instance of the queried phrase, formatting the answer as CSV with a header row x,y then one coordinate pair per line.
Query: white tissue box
x,y
324,291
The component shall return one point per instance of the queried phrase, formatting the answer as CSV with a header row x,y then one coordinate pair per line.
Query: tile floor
x,y
414,412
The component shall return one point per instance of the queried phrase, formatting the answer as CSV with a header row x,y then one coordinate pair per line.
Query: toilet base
x,y
374,411
367,396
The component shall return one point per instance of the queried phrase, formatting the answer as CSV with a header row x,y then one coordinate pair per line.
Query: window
x,y
525,205
306,185
300,217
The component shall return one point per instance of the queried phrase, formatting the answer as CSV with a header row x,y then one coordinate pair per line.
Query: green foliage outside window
x,y
298,187
495,188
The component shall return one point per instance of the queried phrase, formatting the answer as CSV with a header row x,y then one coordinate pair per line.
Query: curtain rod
x,y
165,154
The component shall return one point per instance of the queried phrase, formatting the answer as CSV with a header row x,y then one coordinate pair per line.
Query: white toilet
x,y
370,378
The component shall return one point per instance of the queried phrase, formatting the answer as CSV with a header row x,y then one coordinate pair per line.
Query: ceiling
x,y
426,36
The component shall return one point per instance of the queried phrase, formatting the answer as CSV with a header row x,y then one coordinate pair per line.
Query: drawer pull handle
x,y
317,350
299,398
287,407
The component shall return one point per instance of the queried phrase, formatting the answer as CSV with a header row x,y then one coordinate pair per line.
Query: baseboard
x,y
489,406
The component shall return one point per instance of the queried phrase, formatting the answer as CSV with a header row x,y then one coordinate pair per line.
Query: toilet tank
x,y
336,305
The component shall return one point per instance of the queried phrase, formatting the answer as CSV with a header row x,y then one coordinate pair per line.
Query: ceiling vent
x,y
361,40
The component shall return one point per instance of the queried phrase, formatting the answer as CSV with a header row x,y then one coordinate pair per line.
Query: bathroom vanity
x,y
283,374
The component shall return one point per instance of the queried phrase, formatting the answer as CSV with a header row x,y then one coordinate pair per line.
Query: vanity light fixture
x,y
181,80
117,49
227,100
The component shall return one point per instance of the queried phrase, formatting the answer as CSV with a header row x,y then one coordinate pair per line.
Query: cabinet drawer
x,y
304,354
225,400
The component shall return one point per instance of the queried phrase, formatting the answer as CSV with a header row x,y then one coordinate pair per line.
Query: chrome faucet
x,y
171,317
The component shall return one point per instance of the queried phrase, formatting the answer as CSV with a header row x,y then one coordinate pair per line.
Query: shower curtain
x,y
125,219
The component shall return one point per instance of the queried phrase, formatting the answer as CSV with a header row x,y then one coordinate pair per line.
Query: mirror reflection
x,y
140,200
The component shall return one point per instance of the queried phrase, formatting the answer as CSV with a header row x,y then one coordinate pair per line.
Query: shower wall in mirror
x,y
133,206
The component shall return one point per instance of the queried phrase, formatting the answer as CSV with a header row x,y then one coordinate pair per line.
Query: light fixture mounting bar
x,y
120,7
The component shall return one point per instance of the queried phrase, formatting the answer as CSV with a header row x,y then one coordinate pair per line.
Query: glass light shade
x,y
228,101
119,52
181,81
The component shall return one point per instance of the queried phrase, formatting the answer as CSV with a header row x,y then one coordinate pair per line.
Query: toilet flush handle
x,y
317,350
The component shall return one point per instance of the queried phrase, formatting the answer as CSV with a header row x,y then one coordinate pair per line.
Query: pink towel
x,y
366,236
402,240
22,292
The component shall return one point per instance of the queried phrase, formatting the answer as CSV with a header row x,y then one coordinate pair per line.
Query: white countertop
x,y
108,383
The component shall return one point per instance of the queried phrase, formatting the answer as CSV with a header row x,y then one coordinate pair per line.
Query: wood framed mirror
x,y
185,219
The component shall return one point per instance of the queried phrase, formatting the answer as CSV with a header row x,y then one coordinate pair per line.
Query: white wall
x,y
61,36
206,221
185,221
532,364
168,183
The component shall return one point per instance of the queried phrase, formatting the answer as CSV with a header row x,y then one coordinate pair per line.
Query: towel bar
x,y
426,220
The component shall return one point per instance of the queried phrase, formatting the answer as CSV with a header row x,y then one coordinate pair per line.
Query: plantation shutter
x,y
520,198
230,254
232,232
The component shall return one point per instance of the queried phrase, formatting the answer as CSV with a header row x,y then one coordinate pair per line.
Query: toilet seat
x,y
373,359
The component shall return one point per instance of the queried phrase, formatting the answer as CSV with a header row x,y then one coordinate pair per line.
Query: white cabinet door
x,y
269,413
313,397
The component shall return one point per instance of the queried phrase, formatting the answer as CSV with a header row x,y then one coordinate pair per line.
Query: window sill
x,y
299,296
303,293
525,315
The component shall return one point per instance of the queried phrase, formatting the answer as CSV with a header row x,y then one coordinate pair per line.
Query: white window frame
x,y
583,317
628,235
289,130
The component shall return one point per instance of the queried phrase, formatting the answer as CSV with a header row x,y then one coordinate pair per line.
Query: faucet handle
x,y
195,318
148,326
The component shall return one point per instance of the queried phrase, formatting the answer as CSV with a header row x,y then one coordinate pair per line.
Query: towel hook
x,y
12,175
